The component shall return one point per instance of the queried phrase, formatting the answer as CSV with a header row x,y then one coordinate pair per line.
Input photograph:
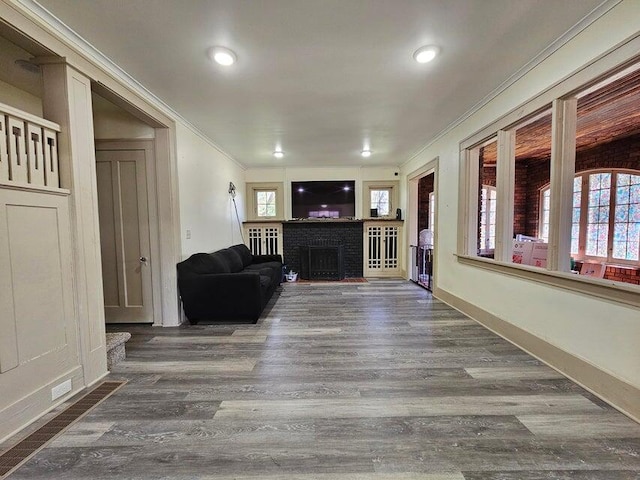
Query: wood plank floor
x,y
351,381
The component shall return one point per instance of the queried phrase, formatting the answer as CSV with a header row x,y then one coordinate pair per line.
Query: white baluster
x,y
35,154
4,157
50,144
17,155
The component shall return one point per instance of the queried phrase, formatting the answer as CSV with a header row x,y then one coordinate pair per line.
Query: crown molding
x,y
561,41
82,46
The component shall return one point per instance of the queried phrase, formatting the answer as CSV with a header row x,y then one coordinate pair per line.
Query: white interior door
x,y
124,236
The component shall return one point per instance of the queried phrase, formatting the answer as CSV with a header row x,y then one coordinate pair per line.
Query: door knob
x,y
143,259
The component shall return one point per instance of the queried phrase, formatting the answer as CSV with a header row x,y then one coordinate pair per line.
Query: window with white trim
x,y
580,137
381,196
487,218
545,209
576,208
626,217
265,203
432,212
609,228
381,201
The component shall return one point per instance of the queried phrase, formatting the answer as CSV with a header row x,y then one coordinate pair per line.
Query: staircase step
x,y
115,347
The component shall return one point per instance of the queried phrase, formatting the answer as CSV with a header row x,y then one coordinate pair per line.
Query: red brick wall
x,y
539,175
520,200
619,274
623,153
425,187
622,274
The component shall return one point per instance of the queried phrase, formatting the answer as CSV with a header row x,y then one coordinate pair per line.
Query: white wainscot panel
x,y
37,279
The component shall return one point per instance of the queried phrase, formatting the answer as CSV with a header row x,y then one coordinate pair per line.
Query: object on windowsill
x,y
595,270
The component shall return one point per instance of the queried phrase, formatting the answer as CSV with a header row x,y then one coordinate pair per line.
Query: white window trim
x,y
257,192
252,207
561,94
541,219
487,219
432,212
393,187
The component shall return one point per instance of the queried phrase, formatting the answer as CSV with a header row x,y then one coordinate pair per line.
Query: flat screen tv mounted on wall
x,y
323,199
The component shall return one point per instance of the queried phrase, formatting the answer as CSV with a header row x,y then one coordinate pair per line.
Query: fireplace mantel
x,y
321,220
324,220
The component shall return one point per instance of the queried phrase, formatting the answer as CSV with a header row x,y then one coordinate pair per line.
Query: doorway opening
x,y
422,220
127,208
426,231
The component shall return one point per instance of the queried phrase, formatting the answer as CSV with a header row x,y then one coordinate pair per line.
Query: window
x,y
265,203
610,227
565,169
488,218
626,218
575,215
599,205
381,200
545,209
432,212
380,195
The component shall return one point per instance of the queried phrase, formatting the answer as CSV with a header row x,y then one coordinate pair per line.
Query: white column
x,y
67,101
505,187
563,166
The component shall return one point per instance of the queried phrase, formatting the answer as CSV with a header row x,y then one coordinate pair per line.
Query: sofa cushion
x,y
261,271
233,260
221,262
201,264
269,265
245,254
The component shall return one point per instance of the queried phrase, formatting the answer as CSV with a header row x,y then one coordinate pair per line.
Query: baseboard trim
x,y
15,456
616,392
19,415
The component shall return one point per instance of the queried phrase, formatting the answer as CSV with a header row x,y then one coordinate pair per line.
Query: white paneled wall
x,y
38,340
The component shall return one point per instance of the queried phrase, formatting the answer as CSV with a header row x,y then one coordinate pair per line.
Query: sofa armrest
x,y
267,258
236,295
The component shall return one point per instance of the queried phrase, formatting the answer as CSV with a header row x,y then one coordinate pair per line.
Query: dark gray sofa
x,y
228,285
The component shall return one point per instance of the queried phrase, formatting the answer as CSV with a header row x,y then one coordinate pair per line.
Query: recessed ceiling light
x,y
426,54
222,56
366,153
278,154
300,189
346,189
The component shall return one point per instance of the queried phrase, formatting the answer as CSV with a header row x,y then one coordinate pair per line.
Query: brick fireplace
x,y
347,234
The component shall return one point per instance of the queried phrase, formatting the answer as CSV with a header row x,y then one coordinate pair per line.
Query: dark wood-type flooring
x,y
351,381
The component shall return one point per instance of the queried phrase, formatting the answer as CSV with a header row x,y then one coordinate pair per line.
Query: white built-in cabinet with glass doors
x,y
264,238
382,248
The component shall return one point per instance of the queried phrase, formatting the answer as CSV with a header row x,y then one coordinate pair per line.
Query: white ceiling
x,y
321,77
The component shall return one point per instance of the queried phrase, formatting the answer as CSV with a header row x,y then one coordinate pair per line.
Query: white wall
x,y
301,174
112,122
602,333
20,99
206,208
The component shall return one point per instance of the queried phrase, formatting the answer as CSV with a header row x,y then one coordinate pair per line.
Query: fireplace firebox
x,y
322,262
